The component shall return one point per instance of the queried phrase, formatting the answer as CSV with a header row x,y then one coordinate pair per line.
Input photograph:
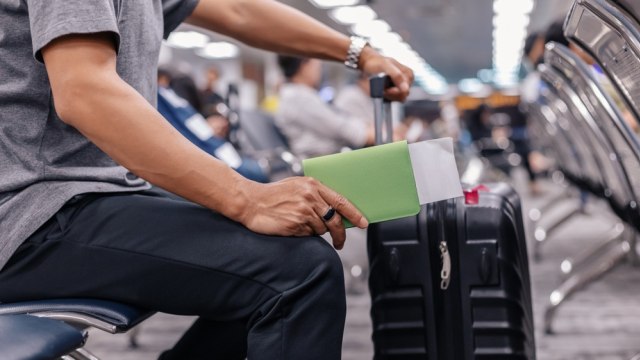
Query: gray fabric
x,y
354,101
313,127
44,162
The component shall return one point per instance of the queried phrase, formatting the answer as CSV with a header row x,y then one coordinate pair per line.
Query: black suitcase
x,y
453,281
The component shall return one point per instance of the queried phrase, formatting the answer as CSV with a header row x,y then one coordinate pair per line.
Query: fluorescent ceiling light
x,y
384,40
349,15
371,28
364,23
510,22
333,3
470,86
219,50
187,40
513,6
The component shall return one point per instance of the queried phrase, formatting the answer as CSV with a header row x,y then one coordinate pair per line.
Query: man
x,y
79,135
311,125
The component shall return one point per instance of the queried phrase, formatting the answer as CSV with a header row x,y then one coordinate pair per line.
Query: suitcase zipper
x,y
445,274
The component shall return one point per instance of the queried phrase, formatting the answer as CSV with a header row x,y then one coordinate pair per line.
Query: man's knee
x,y
318,261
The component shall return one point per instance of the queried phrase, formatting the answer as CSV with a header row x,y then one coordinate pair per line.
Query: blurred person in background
x,y
200,131
210,95
355,100
185,87
312,126
478,123
533,56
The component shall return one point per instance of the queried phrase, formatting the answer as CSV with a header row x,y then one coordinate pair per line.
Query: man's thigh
x,y
160,253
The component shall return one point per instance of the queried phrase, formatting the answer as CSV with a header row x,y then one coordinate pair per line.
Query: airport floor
x,y
600,323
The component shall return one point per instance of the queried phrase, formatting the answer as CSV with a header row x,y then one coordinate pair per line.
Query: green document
x,y
378,180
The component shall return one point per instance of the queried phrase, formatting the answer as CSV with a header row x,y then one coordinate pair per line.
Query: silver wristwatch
x,y
355,49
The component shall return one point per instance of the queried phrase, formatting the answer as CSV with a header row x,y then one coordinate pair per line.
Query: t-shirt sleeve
x,y
51,19
175,12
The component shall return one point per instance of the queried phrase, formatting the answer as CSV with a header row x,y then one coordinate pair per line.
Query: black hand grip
x,y
380,83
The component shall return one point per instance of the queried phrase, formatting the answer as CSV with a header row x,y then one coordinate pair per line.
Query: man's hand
x,y
295,206
371,62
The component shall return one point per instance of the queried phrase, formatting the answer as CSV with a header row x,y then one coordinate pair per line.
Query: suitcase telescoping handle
x,y
382,108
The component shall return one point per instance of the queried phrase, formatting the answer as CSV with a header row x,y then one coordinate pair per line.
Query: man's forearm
x,y
273,26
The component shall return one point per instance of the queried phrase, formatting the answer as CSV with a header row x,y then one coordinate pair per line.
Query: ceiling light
x,y
370,28
513,6
470,86
333,3
219,50
383,40
187,39
349,15
510,23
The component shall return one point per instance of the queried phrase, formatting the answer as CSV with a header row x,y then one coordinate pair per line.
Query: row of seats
x,y
579,123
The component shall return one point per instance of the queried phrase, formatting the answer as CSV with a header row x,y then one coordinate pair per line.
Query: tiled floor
x,y
600,323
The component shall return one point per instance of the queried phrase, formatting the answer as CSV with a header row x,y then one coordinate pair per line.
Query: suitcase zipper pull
x,y
445,274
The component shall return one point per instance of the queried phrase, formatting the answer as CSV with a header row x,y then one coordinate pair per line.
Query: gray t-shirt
x,y
43,161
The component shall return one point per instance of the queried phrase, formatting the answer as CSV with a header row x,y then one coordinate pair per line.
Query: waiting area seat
x,y
260,137
24,337
595,135
108,316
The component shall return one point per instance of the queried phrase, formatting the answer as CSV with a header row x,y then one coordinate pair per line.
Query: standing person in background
x,y
312,126
83,141
533,56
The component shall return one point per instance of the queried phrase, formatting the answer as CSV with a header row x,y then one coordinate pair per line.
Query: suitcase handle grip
x,y
382,109
379,83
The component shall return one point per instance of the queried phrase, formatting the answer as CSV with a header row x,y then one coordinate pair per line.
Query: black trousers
x,y
283,296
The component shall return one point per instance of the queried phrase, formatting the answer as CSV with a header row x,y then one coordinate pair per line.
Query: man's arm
x,y
90,96
273,26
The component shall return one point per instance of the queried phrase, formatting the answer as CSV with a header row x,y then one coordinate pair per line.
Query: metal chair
x,y
574,81
610,32
30,337
579,169
108,316
260,138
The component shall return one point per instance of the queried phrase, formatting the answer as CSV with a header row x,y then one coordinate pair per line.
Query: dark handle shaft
x,y
382,108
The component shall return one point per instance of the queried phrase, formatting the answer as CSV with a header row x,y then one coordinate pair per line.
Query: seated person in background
x,y
312,126
184,86
479,123
355,100
181,114
209,95
217,119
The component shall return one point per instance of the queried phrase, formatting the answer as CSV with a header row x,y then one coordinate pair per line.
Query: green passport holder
x,y
378,180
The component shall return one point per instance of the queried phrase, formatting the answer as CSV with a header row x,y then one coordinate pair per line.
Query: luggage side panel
x,y
403,308
495,283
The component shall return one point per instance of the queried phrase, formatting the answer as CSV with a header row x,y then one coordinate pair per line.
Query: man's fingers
x,y
343,206
397,76
318,225
394,94
337,231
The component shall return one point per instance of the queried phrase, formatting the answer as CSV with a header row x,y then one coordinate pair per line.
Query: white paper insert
x,y
435,170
